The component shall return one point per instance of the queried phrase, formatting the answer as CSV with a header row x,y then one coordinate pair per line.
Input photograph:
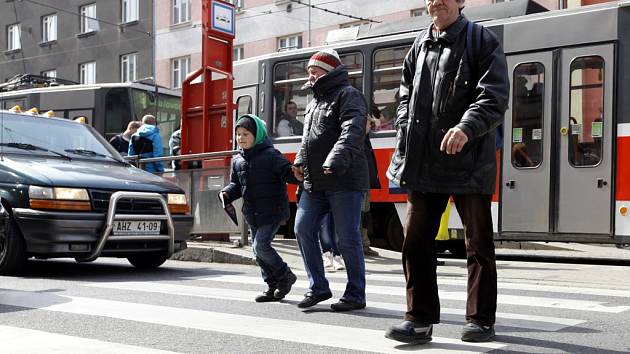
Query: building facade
x,y
86,41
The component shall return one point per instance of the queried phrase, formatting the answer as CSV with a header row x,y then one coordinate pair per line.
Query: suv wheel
x,y
147,261
12,252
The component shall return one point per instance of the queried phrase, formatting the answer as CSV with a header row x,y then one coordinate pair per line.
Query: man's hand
x,y
453,141
298,172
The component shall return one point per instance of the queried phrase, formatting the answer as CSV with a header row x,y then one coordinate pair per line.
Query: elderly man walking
x,y
453,95
335,171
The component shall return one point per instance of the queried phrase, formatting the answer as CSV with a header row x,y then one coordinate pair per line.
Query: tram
x,y
564,169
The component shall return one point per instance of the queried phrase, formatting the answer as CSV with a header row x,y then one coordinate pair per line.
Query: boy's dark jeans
x,y
272,267
424,211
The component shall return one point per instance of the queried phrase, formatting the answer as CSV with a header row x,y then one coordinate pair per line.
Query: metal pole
x,y
309,24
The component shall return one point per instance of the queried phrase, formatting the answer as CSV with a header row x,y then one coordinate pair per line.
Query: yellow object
x,y
16,109
564,130
34,111
623,210
442,234
49,114
80,120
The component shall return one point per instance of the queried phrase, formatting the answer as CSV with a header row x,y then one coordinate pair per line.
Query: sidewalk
x,y
390,261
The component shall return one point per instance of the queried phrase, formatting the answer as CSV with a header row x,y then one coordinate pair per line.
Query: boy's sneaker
x,y
328,259
473,332
410,332
338,263
284,285
267,295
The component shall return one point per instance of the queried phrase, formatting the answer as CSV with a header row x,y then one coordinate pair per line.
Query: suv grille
x,y
100,202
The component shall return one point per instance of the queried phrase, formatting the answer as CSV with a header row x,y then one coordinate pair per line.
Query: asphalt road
x,y
108,306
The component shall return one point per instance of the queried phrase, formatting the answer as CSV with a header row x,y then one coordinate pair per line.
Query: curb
x,y
211,255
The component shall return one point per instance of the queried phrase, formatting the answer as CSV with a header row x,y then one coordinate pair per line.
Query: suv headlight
x,y
177,203
59,198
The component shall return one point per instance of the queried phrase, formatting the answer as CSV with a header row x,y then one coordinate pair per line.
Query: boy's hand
x,y
298,172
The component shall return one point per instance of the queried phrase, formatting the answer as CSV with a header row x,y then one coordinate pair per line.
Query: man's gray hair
x,y
149,119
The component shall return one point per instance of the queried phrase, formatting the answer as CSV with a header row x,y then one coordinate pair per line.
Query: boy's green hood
x,y
261,130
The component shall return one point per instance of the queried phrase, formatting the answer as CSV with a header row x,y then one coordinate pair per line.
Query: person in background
x,y
175,145
147,143
259,175
446,146
289,125
120,142
328,240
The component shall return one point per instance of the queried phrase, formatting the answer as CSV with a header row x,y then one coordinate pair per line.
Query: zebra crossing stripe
x,y
276,329
17,340
536,301
501,285
540,323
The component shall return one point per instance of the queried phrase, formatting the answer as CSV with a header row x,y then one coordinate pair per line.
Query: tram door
x,y
585,135
526,181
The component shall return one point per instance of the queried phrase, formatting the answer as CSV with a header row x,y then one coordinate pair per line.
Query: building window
x,y
49,28
181,11
128,67
129,10
49,73
238,4
239,53
13,37
180,67
88,18
87,73
419,12
290,42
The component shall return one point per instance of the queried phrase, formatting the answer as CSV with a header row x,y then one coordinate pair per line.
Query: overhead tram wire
x,y
88,17
335,12
270,12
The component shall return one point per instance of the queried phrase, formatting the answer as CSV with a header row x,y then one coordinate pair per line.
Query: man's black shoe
x,y
410,332
311,299
267,295
284,285
473,332
344,305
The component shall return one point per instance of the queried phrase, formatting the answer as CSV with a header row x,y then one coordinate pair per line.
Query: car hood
x,y
91,174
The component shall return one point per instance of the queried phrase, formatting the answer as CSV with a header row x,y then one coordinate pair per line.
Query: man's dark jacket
x,y
334,136
468,95
259,175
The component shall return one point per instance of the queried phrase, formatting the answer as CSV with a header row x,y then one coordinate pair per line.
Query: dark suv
x,y
65,192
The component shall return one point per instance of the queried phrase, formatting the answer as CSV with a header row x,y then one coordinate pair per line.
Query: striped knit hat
x,y
327,59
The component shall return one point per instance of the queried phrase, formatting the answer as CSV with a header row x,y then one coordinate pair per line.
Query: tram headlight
x,y
177,203
59,198
623,210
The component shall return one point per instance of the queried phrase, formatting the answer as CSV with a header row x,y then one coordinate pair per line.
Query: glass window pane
x,y
586,113
527,115
386,82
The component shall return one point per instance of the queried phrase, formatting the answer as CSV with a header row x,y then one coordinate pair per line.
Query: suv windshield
x,y
40,135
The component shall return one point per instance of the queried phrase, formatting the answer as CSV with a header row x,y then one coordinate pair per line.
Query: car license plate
x,y
143,227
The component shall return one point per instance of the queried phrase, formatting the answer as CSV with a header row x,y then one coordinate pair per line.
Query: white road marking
x,y
17,340
541,323
501,285
536,301
275,329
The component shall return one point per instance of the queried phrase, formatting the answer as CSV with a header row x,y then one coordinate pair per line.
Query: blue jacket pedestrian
x,y
259,174
147,143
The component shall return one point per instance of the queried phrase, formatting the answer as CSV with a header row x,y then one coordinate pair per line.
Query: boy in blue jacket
x,y
147,143
259,174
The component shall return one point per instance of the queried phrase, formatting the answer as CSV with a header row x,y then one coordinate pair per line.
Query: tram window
x,y
527,115
386,82
117,111
586,114
290,100
243,105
